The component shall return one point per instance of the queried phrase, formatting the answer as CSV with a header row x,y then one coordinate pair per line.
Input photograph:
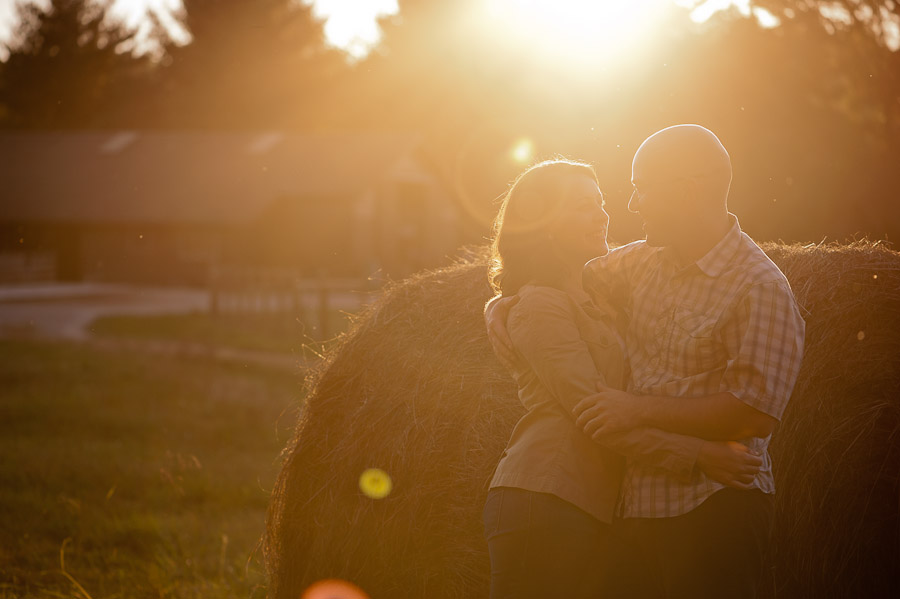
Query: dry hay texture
x,y
415,390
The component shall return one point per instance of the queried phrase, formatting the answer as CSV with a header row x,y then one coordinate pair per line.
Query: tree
x,y
254,64
68,67
870,30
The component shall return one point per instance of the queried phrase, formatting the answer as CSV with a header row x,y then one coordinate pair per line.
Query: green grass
x,y
260,332
152,474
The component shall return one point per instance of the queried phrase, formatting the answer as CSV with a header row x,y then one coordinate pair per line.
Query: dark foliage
x,y
68,68
249,65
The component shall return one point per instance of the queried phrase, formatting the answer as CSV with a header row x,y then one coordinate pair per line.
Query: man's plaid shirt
x,y
726,323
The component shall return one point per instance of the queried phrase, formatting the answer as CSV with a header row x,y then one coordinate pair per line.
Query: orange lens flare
x,y
333,588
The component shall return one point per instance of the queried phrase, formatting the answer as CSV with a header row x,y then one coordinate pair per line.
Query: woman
x,y
548,512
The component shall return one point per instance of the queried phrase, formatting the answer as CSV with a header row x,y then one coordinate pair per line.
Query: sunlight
x,y
704,9
353,26
523,151
578,29
137,14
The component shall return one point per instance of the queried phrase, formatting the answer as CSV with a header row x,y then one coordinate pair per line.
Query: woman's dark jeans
x,y
542,546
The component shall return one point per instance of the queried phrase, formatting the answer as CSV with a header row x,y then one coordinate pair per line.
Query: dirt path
x,y
65,312
176,349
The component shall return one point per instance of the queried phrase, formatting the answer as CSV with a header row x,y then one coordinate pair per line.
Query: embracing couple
x,y
653,376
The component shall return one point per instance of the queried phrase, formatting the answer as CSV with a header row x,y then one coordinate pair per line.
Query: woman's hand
x,y
730,463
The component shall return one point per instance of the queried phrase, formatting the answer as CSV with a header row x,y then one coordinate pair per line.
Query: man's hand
x,y
609,411
496,313
729,463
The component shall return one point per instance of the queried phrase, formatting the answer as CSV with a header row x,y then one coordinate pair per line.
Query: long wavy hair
x,y
522,246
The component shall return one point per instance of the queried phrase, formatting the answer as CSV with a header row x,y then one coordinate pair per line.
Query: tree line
x,y
809,109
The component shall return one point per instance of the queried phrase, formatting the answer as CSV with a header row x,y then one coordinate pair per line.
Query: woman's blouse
x,y
568,345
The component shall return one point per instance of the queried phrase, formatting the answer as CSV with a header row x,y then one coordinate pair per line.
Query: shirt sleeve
x,y
543,330
609,278
764,368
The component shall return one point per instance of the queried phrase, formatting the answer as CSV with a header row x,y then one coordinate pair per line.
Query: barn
x,y
176,207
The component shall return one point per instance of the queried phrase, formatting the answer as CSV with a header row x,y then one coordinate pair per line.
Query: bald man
x,y
714,340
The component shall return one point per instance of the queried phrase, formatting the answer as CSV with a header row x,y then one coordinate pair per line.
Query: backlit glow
x,y
704,9
577,30
352,25
523,151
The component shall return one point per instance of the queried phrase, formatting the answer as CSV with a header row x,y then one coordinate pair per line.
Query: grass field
x,y
258,332
152,475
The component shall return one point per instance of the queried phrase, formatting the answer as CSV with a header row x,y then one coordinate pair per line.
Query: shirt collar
x,y
713,263
716,259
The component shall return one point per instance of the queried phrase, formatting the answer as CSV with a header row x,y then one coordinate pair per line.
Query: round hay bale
x,y
413,389
837,452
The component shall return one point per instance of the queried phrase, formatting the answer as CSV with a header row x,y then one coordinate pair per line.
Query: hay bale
x,y
415,390
837,451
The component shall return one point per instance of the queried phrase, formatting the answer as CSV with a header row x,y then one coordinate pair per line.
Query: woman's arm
x,y
496,313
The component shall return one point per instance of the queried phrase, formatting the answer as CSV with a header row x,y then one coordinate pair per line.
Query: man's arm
x,y
718,417
729,463
755,388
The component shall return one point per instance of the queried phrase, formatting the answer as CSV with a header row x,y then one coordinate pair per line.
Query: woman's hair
x,y
522,248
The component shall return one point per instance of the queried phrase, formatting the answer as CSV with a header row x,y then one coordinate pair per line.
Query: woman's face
x,y
580,231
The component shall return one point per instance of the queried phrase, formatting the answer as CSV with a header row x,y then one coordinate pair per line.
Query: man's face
x,y
659,197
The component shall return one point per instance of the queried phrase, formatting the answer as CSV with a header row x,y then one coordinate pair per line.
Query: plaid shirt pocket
x,y
693,347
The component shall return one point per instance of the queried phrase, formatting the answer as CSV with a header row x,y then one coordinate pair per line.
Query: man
x,y
714,340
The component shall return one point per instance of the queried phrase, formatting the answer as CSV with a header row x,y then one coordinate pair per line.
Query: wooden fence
x,y
245,291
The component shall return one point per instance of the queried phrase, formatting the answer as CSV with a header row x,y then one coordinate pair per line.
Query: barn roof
x,y
183,177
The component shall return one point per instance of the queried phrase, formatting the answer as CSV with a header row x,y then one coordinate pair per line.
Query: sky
x,y
352,24
349,24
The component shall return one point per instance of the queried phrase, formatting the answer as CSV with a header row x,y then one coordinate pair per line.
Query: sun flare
x,y
353,26
578,29
523,151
